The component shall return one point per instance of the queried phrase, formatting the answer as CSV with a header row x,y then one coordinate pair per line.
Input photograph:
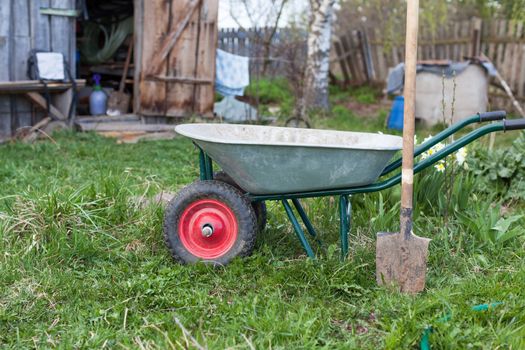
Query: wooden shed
x,y
24,27
173,67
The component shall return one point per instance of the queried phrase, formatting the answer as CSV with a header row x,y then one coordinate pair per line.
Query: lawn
x,y
82,265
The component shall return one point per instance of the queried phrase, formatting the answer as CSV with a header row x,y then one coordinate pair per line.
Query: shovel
x,y
118,102
401,257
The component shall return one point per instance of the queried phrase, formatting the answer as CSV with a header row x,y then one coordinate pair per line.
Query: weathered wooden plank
x,y
5,58
204,95
40,35
382,66
446,47
492,34
506,53
368,61
501,46
348,59
456,49
72,54
182,62
5,33
23,86
439,47
521,81
476,37
62,28
352,59
395,56
484,35
156,19
20,53
137,54
430,52
342,63
63,40
108,119
512,55
5,116
358,57
194,56
123,126
40,101
464,33
40,26
183,16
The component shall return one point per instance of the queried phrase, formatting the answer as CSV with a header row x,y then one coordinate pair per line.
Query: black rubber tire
x,y
258,207
220,191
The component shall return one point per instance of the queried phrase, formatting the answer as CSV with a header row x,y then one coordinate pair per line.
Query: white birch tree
x,y
315,94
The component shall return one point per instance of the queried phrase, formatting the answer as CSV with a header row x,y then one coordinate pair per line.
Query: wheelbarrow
x,y
217,217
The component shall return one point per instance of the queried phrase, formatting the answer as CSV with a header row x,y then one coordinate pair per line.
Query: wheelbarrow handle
x,y
492,116
476,118
514,124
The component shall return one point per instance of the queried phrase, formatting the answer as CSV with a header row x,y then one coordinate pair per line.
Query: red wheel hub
x,y
208,228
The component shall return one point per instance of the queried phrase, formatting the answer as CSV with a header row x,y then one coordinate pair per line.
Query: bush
x,y
270,91
502,170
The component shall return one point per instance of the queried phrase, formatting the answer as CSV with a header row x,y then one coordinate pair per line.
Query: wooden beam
x,y
138,13
59,12
25,86
127,127
172,38
182,80
108,119
40,101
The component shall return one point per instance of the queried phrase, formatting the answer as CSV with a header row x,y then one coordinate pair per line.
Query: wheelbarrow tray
x,y
274,160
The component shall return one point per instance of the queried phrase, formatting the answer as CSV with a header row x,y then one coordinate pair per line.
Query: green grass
x,y
83,266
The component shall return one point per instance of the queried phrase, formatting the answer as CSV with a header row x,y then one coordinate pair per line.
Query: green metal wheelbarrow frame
x,y
345,209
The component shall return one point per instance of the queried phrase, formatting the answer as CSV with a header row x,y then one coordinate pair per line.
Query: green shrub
x,y
501,170
270,91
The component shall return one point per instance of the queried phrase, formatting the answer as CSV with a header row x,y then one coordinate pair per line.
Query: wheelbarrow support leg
x,y
298,229
307,223
205,165
345,216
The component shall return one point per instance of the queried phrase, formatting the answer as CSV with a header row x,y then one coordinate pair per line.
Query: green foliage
x,y
431,195
82,265
270,90
365,95
501,170
514,9
342,118
485,223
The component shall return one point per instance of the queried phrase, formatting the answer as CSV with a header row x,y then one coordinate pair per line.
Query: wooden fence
x,y
364,56
267,49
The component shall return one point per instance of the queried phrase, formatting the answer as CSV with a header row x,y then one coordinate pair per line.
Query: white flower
x,y
440,167
461,155
438,147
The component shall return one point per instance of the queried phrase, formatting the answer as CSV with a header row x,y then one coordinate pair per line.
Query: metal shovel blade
x,y
401,261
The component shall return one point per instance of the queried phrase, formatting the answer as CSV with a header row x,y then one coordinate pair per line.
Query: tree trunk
x,y
318,58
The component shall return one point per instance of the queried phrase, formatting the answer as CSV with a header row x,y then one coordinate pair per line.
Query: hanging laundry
x,y
232,74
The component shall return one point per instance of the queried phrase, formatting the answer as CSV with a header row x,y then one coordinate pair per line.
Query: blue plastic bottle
x,y
98,100
395,119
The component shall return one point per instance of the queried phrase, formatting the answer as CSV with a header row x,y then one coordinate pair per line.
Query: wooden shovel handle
x,y
126,66
407,180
